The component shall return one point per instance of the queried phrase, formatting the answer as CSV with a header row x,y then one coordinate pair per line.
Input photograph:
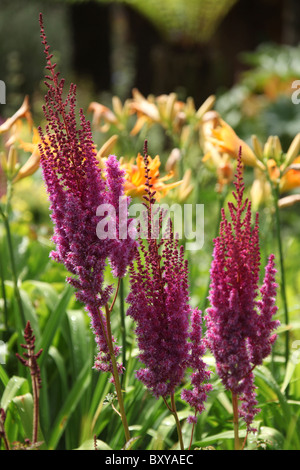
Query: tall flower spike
x,y
239,326
159,304
76,189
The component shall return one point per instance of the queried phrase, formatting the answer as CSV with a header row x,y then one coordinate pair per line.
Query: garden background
x,y
140,68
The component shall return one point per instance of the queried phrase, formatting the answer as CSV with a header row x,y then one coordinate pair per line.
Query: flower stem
x,y
13,266
5,309
192,435
2,429
123,327
116,376
235,421
282,271
174,413
36,397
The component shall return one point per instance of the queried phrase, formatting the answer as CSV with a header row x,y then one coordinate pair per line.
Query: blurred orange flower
x,y
283,169
135,178
13,128
23,112
167,110
218,135
290,179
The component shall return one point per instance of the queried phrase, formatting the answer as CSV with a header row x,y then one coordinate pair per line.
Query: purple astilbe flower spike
x,y
76,189
239,326
200,375
159,304
122,246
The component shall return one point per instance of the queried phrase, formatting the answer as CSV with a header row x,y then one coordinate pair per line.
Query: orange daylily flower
x,y
103,117
23,112
283,169
33,162
135,178
14,126
167,110
290,178
217,134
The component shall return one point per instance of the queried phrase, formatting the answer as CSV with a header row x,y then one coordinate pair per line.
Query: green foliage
x,y
78,409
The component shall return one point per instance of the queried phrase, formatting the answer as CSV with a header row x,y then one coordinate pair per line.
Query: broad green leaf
x,y
90,445
264,377
271,435
131,443
3,376
290,369
60,365
15,386
44,289
24,406
53,323
219,437
69,406
30,313
80,339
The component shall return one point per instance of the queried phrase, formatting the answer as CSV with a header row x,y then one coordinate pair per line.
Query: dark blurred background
x,y
192,47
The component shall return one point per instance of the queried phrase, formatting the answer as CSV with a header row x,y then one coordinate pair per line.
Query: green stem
x,y
174,413
282,271
3,432
13,267
116,375
235,421
36,394
4,295
123,328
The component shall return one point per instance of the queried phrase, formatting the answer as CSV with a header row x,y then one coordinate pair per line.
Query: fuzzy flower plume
x,y
159,304
239,322
76,189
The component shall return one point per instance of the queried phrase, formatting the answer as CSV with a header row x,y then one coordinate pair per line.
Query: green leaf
x,y
271,389
79,339
69,406
271,435
53,323
90,445
43,289
15,386
131,442
290,369
24,406
219,437
3,376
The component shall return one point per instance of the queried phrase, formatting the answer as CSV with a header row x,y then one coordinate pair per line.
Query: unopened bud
x,y
12,161
257,147
292,152
206,106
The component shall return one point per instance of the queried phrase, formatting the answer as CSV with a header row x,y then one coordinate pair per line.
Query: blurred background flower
x,y
135,180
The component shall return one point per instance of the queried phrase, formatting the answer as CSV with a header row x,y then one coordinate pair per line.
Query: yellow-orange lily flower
x,y
221,136
33,162
23,112
167,110
135,180
290,179
282,169
103,117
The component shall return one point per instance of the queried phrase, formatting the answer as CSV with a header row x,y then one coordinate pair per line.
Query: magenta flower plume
x,y
76,189
122,245
159,304
239,325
